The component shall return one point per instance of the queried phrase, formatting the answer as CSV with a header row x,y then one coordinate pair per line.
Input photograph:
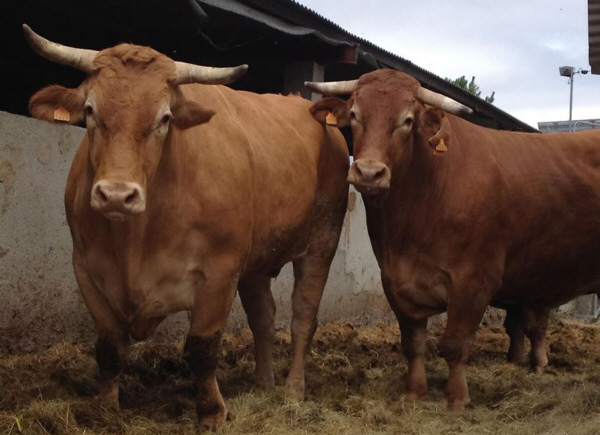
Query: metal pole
x,y
571,102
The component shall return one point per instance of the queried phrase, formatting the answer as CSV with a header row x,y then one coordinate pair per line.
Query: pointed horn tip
x,y
239,71
29,34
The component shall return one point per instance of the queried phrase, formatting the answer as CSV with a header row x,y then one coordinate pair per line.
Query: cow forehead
x,y
390,103
387,80
386,91
124,57
128,97
131,82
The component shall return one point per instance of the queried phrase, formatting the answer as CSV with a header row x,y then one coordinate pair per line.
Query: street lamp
x,y
569,71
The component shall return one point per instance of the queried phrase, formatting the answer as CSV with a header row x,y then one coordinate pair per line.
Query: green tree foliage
x,y
471,87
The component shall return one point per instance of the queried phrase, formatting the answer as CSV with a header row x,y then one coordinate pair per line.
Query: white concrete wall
x,y
40,302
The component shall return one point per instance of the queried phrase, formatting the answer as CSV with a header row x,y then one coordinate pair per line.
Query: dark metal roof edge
x,y
427,78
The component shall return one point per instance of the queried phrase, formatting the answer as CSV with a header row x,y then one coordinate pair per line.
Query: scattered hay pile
x,y
354,377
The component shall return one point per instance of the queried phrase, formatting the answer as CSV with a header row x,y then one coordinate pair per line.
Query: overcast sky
x,y
512,47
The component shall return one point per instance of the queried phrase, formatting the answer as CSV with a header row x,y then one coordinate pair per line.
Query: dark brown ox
x,y
171,212
503,218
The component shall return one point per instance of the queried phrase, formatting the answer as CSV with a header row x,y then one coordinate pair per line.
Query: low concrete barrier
x,y
40,302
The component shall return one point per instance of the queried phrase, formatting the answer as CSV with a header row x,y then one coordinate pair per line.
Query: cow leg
x,y
536,323
209,317
413,340
515,328
310,277
465,311
258,303
112,343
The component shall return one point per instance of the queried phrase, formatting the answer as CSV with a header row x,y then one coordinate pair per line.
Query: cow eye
x,y
165,119
88,110
408,121
352,114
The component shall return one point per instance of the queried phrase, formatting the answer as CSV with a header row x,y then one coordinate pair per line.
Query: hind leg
x,y
310,277
536,323
258,303
515,328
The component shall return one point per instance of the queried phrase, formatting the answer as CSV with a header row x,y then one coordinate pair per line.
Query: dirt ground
x,y
354,378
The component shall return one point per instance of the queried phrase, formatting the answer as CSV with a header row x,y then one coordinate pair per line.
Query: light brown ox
x,y
503,218
171,212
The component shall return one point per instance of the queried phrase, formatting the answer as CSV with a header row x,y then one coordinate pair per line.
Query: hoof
x,y
456,404
538,369
108,398
211,422
516,359
412,397
267,382
294,391
211,414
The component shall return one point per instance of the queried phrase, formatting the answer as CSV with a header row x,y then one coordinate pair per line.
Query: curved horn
x,y
190,73
332,88
443,102
75,57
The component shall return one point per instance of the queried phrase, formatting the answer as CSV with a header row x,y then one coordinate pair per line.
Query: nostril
x,y
379,173
132,197
100,195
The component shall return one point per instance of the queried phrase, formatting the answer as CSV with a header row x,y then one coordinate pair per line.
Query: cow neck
x,y
128,239
419,184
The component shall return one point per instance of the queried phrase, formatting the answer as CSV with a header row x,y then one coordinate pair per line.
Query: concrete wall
x,y
40,302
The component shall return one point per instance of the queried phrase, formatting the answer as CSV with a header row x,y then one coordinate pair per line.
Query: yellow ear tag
x,y
330,119
61,114
440,148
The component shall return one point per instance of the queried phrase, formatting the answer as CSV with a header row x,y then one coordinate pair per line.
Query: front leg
x,y
414,340
209,316
466,306
112,343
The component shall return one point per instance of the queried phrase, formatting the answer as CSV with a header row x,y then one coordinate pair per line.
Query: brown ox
x,y
171,212
504,218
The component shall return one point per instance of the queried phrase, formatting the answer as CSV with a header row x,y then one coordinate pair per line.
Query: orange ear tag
x,y
330,119
440,148
61,114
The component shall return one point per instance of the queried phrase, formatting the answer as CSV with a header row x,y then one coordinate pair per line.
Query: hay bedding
x,y
354,377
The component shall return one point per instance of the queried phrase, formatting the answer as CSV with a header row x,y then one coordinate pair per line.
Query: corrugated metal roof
x,y
594,35
379,57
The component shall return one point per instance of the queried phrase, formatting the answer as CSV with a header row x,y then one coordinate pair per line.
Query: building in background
x,y
283,42
563,126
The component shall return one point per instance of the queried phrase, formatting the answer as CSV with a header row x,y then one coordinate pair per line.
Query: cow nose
x,y
369,174
118,198
370,171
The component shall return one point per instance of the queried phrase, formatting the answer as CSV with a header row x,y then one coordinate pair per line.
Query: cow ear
x,y
57,103
187,113
431,128
323,110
